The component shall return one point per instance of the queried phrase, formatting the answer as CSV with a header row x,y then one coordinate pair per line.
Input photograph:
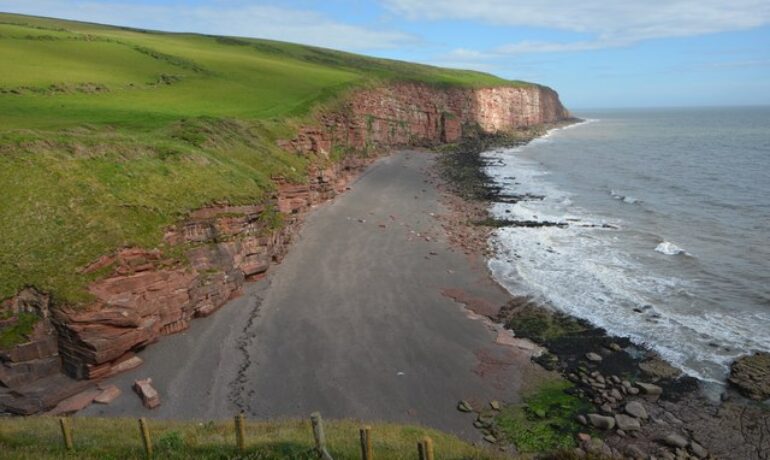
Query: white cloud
x,y
607,23
238,19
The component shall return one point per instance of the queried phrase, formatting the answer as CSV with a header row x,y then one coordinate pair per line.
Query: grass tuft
x,y
17,331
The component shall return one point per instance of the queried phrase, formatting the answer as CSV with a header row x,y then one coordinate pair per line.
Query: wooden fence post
x,y
145,437
366,443
320,437
425,449
428,442
66,432
240,435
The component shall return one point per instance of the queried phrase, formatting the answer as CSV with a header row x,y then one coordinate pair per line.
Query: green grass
x,y
115,438
19,331
110,134
546,422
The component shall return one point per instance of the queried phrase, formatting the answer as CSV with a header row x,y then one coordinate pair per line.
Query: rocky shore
x,y
635,405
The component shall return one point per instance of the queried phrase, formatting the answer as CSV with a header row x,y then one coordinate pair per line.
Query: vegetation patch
x,y
17,330
545,422
541,325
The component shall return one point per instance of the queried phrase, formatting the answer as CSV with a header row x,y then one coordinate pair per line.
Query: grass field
x,y
115,438
109,134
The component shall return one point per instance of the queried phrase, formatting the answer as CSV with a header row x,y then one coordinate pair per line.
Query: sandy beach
x,y
358,322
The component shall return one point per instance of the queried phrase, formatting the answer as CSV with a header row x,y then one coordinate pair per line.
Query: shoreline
x,y
682,396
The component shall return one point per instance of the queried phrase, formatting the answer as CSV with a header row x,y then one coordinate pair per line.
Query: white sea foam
x,y
586,270
670,249
623,198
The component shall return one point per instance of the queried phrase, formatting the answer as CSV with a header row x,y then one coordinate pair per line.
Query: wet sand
x,y
358,322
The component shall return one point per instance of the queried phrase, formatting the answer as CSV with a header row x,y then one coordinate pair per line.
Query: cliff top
x,y
138,78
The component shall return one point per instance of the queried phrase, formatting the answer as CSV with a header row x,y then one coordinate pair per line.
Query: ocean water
x,y
668,236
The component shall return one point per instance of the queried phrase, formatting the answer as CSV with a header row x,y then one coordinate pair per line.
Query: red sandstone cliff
x,y
414,114
149,295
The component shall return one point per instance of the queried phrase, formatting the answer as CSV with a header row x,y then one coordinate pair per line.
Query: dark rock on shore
x,y
630,388
751,376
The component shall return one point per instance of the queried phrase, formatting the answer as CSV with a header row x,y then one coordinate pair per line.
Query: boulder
x,y
598,448
634,452
593,357
649,388
464,406
149,395
627,423
602,422
675,440
750,375
636,409
698,450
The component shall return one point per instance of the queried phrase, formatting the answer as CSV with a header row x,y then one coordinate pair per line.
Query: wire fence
x,y
424,448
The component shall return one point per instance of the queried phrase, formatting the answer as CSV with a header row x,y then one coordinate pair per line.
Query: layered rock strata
x,y
149,294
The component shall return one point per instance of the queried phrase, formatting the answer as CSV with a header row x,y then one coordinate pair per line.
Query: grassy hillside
x,y
109,134
114,438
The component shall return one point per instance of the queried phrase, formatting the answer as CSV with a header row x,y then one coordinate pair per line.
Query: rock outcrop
x,y
149,294
751,376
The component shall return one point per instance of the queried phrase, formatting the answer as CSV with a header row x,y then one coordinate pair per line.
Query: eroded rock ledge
x,y
149,294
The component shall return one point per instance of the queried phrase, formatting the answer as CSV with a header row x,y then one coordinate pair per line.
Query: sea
x,y
667,236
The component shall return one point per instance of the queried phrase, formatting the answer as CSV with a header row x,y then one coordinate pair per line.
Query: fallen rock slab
x,y
75,403
108,394
129,362
150,396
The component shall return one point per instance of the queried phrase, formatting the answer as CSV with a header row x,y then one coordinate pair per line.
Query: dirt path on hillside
x,y
353,323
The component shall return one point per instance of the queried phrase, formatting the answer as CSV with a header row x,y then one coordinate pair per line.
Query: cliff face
x,y
412,115
148,294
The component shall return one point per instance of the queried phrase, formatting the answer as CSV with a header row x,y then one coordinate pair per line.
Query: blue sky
x,y
595,53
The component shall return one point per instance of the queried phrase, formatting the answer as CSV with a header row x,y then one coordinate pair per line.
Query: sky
x,y
596,54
